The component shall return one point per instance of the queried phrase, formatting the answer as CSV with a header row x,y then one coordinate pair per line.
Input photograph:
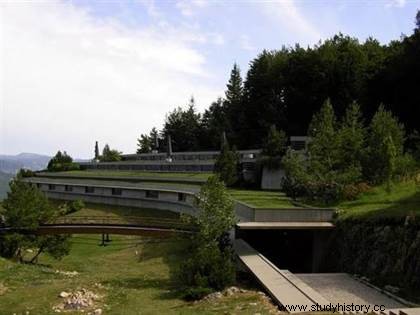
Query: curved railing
x,y
154,222
109,223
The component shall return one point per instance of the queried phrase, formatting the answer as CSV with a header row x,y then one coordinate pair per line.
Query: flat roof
x,y
285,225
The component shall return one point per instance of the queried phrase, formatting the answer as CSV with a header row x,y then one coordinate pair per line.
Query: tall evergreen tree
x,y
96,151
184,126
214,122
351,136
383,127
226,165
144,144
274,147
233,105
323,148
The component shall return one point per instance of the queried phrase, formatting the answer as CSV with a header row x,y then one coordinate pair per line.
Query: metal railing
x,y
153,222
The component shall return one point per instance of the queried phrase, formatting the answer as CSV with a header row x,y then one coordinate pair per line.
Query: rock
x,y
29,250
98,311
253,304
231,291
213,296
63,294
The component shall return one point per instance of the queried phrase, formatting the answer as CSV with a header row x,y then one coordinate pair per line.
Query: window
x,y
68,188
89,190
182,197
51,187
152,194
116,191
38,185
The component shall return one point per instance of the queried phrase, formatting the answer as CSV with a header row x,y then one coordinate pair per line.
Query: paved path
x,y
278,283
342,288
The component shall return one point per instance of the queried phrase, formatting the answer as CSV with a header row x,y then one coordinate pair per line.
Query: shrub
x,y
352,191
75,206
197,293
211,263
226,165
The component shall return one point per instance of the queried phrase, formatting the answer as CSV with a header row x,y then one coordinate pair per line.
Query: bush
x,y
75,206
197,293
405,166
25,173
352,191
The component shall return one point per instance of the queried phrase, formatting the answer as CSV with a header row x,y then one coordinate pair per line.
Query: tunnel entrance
x,y
300,251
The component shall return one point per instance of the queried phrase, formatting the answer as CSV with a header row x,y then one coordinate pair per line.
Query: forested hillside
x,y
4,184
287,86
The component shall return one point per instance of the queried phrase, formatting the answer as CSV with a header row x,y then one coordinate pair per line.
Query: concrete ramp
x,y
284,288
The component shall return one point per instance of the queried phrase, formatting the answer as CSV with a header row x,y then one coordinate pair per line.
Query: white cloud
x,y
68,79
287,14
395,3
189,7
245,43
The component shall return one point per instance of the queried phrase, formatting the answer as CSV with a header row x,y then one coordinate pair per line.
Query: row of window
x,y
153,194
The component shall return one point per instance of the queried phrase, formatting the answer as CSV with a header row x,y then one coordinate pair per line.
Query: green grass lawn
x,y
120,211
130,283
404,199
144,174
262,198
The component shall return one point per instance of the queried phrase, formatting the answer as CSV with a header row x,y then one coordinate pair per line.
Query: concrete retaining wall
x,y
271,178
247,213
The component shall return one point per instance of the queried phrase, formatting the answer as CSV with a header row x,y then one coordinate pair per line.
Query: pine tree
x,y
323,148
144,144
234,90
274,147
226,165
383,126
232,105
96,151
275,143
351,136
390,155
418,19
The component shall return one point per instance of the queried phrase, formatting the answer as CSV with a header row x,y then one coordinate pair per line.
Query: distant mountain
x,y
12,163
4,184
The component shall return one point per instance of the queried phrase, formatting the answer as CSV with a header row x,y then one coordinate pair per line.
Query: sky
x,y
76,72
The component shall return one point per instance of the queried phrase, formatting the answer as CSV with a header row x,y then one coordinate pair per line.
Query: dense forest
x,y
286,87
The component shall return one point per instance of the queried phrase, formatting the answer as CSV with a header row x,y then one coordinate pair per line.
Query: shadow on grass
x,y
409,206
168,288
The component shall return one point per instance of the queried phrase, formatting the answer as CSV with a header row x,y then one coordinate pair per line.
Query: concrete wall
x,y
271,178
133,197
246,213
293,215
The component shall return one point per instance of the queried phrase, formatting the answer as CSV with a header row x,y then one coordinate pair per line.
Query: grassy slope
x,y
255,198
145,174
261,198
121,211
403,200
130,285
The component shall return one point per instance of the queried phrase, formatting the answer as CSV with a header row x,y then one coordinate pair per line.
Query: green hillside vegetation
x,y
402,200
129,283
105,173
4,184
